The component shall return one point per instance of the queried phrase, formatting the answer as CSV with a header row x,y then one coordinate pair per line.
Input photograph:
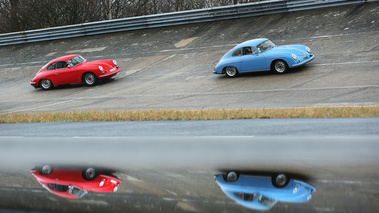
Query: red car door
x,y
65,74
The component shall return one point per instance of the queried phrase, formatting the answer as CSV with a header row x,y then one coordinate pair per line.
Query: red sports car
x,y
71,69
74,183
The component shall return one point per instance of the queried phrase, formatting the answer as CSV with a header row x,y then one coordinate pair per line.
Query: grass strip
x,y
173,115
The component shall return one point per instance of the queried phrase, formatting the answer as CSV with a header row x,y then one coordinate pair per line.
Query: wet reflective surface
x,y
178,174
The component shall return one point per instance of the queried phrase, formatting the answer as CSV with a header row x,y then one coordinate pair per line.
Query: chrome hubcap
x,y
90,173
90,79
231,177
46,83
231,71
280,66
281,180
46,170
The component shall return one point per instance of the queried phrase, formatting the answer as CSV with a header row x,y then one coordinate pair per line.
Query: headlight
x,y
294,57
115,62
295,189
309,197
101,69
308,49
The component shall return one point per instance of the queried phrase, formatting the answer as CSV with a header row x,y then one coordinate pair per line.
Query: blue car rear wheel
x,y
231,71
231,177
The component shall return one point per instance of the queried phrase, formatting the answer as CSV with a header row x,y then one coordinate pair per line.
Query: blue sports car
x,y
261,55
262,192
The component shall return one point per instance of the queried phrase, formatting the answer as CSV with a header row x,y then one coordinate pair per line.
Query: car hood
x,y
295,49
100,63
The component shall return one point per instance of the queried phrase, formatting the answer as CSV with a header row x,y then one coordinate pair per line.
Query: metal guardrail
x,y
170,19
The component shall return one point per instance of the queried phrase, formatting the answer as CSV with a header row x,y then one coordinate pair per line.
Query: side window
x,y
62,188
238,195
52,186
52,66
71,62
237,52
61,64
254,51
249,197
247,51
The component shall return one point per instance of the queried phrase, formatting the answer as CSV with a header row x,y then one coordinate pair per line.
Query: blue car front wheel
x,y
280,180
279,66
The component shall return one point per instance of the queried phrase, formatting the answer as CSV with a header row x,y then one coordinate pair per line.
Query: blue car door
x,y
251,60
255,184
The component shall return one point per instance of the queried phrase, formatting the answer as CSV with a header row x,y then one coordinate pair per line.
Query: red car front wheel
x,y
90,79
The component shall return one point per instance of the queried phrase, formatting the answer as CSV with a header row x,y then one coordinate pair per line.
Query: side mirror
x,y
68,66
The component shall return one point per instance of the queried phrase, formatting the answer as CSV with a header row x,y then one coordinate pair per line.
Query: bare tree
x,y
21,15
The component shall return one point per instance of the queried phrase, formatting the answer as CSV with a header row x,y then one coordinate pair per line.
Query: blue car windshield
x,y
264,46
266,201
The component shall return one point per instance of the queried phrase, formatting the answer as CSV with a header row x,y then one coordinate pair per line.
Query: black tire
x,y
231,72
46,170
279,66
46,84
89,79
231,177
89,174
280,180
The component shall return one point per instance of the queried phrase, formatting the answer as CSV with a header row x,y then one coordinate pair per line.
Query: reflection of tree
x,y
21,15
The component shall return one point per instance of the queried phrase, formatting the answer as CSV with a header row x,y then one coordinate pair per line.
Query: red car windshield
x,y
76,60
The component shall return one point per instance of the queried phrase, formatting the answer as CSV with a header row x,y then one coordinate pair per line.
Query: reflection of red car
x,y
75,183
71,69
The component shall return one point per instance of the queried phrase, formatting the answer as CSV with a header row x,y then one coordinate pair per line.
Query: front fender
x,y
285,57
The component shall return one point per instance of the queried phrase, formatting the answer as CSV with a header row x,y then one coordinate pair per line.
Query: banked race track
x,y
171,67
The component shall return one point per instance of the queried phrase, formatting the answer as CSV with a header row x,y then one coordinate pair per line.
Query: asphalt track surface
x,y
171,68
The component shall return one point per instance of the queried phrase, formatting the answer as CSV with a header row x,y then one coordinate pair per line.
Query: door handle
x,y
56,73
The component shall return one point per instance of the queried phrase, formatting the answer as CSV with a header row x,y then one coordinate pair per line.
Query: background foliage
x,y
22,15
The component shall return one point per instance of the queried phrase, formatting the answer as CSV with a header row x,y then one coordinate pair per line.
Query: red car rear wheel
x,y
46,84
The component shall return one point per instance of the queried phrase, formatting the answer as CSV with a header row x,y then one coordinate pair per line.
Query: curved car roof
x,y
63,58
251,43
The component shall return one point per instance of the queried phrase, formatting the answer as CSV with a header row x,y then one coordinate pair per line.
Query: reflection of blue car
x,y
262,192
261,55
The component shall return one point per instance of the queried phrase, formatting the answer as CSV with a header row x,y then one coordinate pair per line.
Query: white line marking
x,y
347,182
173,193
27,63
44,106
344,63
88,50
324,209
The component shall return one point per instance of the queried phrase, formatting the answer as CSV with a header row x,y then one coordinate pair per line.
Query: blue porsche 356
x,y
263,192
262,55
